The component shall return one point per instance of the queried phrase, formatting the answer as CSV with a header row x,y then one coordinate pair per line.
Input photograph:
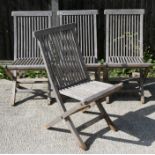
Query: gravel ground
x,y
22,127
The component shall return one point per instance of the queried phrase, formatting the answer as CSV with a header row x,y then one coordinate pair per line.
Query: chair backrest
x,y
25,22
124,33
86,31
62,56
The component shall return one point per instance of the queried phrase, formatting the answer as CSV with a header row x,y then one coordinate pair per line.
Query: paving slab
x,y
22,127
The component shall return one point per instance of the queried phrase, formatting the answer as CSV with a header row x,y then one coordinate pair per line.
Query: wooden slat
x,y
31,13
125,11
77,12
141,36
15,37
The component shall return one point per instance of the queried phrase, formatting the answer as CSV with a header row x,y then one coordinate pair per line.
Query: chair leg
x,y
70,125
97,74
105,74
13,98
49,93
75,133
106,117
107,100
105,78
142,98
13,77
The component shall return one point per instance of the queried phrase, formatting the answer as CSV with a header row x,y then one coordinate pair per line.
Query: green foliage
x,y
34,74
148,55
125,72
2,73
26,74
101,61
121,72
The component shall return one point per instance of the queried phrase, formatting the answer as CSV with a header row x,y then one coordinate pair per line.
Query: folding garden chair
x,y
68,77
124,41
26,51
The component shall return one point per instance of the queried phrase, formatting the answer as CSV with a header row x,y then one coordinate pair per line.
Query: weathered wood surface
x,y
87,91
86,22
25,23
124,40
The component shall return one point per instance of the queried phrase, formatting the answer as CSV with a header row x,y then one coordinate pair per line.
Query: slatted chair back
x,y
25,22
124,36
62,55
86,31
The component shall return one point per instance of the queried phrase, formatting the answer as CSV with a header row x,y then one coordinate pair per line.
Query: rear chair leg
x,y
107,100
105,78
13,77
97,74
106,117
49,93
13,98
142,98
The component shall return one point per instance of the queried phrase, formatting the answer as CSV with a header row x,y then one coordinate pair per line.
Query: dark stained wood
x,y
55,8
67,75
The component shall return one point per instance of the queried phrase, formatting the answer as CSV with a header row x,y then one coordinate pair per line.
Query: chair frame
x,y
59,88
26,51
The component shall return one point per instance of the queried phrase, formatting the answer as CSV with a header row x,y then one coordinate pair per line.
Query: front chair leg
x,y
75,133
106,117
13,98
13,77
49,94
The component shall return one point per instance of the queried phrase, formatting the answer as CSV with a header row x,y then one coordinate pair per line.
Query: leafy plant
x,y
101,61
2,73
148,54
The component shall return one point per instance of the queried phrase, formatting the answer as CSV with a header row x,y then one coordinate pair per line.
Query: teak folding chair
x,y
124,41
68,77
26,51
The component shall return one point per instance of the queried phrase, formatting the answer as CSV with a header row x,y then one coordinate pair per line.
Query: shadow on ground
x,y
135,123
130,92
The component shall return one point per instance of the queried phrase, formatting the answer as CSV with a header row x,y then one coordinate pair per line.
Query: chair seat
x,y
87,91
119,61
124,60
27,63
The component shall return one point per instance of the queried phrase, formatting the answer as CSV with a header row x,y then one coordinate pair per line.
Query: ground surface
x,y
22,127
